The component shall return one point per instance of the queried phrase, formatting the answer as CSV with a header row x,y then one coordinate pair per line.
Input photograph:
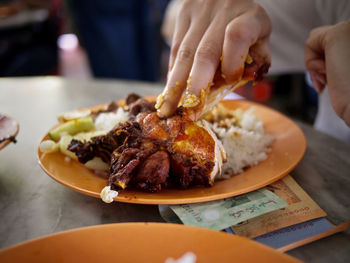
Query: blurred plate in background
x,y
141,242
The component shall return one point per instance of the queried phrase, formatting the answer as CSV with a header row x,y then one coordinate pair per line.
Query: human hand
x,y
205,32
327,58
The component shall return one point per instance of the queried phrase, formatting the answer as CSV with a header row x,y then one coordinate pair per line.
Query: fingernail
x,y
321,79
165,110
236,75
160,112
314,82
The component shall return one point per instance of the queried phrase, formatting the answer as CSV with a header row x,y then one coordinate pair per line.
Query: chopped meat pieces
x,y
141,105
154,172
131,98
146,151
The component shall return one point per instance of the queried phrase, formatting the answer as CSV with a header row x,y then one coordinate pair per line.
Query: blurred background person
x,y
28,37
122,38
116,39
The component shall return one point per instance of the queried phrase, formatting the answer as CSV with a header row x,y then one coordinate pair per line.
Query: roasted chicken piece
x,y
176,148
149,153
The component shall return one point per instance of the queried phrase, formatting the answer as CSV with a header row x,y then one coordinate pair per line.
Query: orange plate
x,y
8,127
287,150
141,242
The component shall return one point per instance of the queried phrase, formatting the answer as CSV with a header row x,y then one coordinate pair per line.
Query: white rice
x,y
246,144
107,121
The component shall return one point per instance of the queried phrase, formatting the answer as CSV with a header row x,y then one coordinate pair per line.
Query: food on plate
x,y
242,134
72,127
73,115
141,150
48,146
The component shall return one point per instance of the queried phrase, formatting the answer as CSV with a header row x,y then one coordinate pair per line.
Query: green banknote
x,y
227,212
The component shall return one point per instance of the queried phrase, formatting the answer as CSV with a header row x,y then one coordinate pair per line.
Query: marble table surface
x,y
33,205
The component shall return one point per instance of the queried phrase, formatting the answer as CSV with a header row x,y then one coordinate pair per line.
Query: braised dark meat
x,y
141,105
131,98
110,107
139,161
154,172
187,172
83,150
145,151
123,165
103,146
178,143
127,159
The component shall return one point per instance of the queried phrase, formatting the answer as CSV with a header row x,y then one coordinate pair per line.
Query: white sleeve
x,y
333,12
